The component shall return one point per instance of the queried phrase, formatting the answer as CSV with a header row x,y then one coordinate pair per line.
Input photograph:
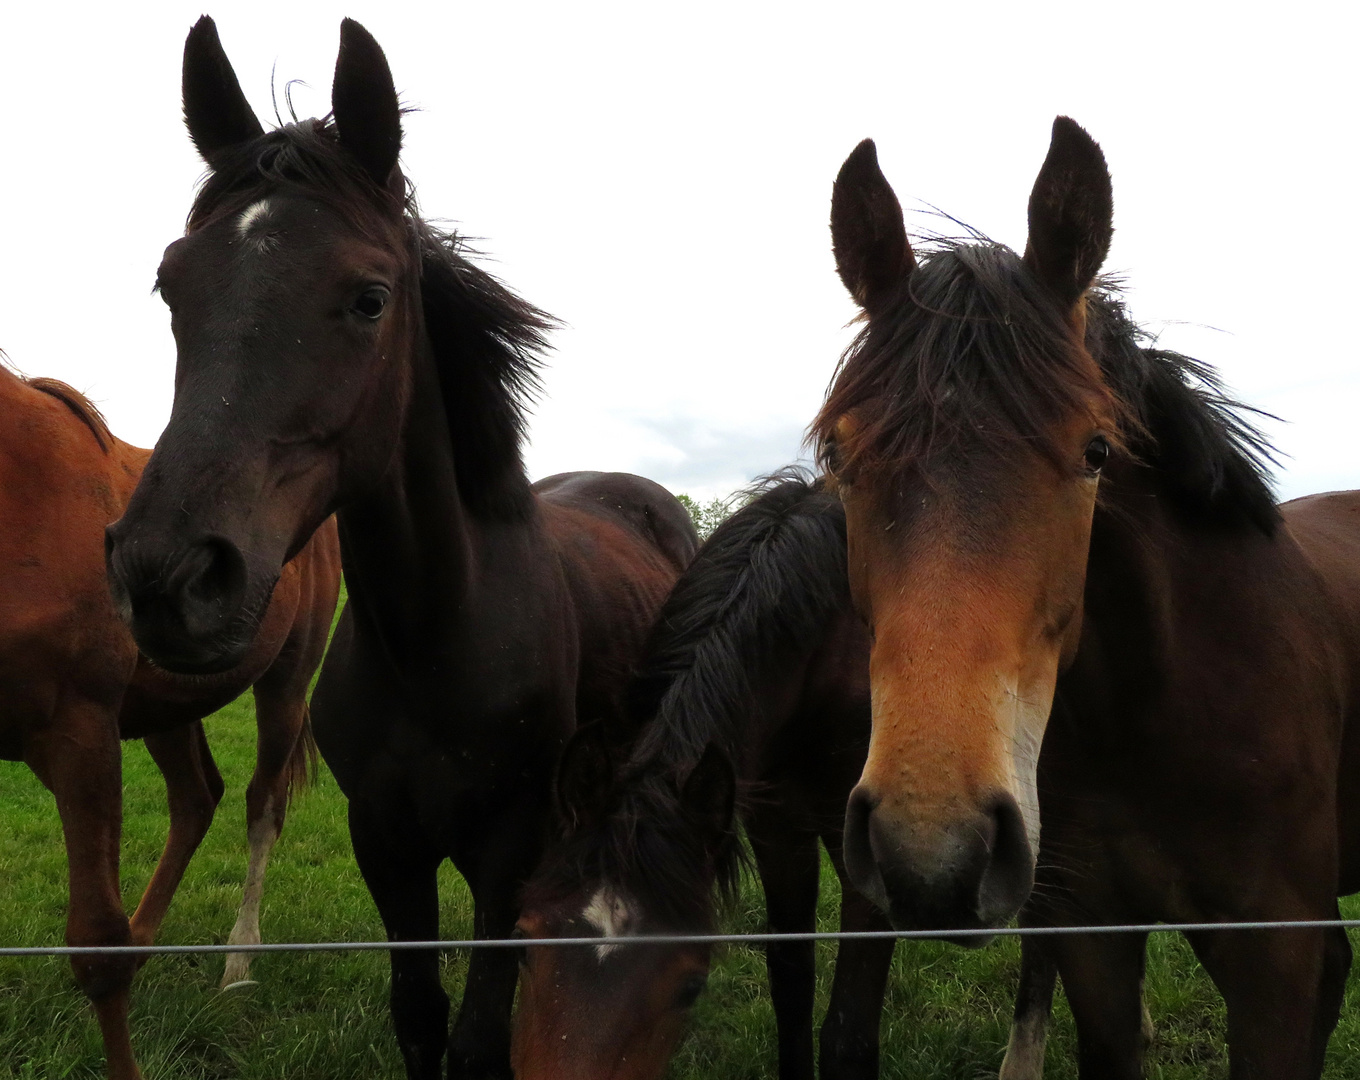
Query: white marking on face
x,y
1028,719
609,913
252,213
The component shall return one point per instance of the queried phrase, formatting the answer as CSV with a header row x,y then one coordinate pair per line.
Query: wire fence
x,y
675,939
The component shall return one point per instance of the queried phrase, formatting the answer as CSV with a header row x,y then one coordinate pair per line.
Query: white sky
x,y
659,177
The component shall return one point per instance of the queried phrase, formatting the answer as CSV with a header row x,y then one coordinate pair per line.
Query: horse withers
x,y
72,684
336,353
1062,537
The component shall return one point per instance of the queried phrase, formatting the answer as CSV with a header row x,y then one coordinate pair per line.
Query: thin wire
x,y
673,939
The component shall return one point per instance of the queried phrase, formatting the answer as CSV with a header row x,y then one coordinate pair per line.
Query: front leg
x,y
283,753
80,760
400,868
193,788
496,869
789,864
1283,990
1024,1058
849,1040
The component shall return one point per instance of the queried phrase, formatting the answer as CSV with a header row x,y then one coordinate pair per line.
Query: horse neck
x,y
1145,556
410,550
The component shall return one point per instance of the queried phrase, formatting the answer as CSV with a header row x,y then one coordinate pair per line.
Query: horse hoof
x,y
238,984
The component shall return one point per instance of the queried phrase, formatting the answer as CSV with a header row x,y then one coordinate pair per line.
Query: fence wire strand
x,y
984,935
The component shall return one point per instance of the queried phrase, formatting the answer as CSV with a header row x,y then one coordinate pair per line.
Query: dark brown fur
x,y
1200,757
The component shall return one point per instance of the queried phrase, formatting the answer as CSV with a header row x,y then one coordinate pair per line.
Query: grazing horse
x,y
1062,537
338,354
756,661
72,683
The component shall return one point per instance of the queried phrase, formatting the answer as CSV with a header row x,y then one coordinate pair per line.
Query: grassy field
x,y
324,1017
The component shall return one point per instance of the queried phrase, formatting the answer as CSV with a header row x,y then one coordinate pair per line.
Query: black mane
x,y
487,342
753,604
973,348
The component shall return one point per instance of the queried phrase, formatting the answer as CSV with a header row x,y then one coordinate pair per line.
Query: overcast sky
x,y
659,177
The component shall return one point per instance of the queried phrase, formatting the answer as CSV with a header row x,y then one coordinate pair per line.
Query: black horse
x,y
338,354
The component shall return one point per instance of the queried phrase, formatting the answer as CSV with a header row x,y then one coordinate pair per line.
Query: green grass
x,y
324,1016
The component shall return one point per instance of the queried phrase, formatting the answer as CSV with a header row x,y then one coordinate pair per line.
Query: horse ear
x,y
585,777
364,100
709,793
868,235
1071,214
215,111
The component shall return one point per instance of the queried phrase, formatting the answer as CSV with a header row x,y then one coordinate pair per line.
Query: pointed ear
x,y
585,777
709,793
1071,214
367,116
867,231
215,111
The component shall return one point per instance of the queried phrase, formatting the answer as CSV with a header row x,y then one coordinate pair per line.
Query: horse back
x,y
1327,529
622,541
63,477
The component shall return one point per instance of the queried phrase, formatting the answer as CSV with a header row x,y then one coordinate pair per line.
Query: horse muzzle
x,y
186,606
973,870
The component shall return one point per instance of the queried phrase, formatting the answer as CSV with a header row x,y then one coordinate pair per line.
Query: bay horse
x,y
1062,537
72,684
337,354
753,692
755,675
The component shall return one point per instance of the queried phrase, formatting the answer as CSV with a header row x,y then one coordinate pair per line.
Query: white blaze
x,y
609,913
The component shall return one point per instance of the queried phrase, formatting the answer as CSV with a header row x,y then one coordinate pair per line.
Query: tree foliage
x,y
706,516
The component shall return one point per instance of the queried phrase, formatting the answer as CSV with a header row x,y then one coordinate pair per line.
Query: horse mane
x,y
84,409
974,348
760,590
487,342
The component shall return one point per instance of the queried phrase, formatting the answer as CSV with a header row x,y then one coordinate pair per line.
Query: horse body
x,y
756,664
356,362
1063,514
72,684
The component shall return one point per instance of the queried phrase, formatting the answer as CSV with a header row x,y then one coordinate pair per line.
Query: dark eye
x,y
521,953
1097,452
372,302
690,990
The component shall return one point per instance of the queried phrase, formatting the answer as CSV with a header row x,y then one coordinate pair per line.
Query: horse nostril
x,y
858,847
1009,874
209,583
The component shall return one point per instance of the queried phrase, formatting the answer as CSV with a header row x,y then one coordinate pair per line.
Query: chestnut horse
x,y
72,684
338,354
1062,537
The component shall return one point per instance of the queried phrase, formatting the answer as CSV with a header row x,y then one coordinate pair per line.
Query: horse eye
x,y
520,953
690,990
1097,452
372,302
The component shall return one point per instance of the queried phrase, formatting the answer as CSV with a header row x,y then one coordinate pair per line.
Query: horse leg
x,y
1024,1058
84,772
1103,977
400,871
280,716
193,788
849,1036
789,864
1283,991
479,1044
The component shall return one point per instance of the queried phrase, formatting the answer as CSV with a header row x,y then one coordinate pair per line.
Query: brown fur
x,y
1199,647
71,681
